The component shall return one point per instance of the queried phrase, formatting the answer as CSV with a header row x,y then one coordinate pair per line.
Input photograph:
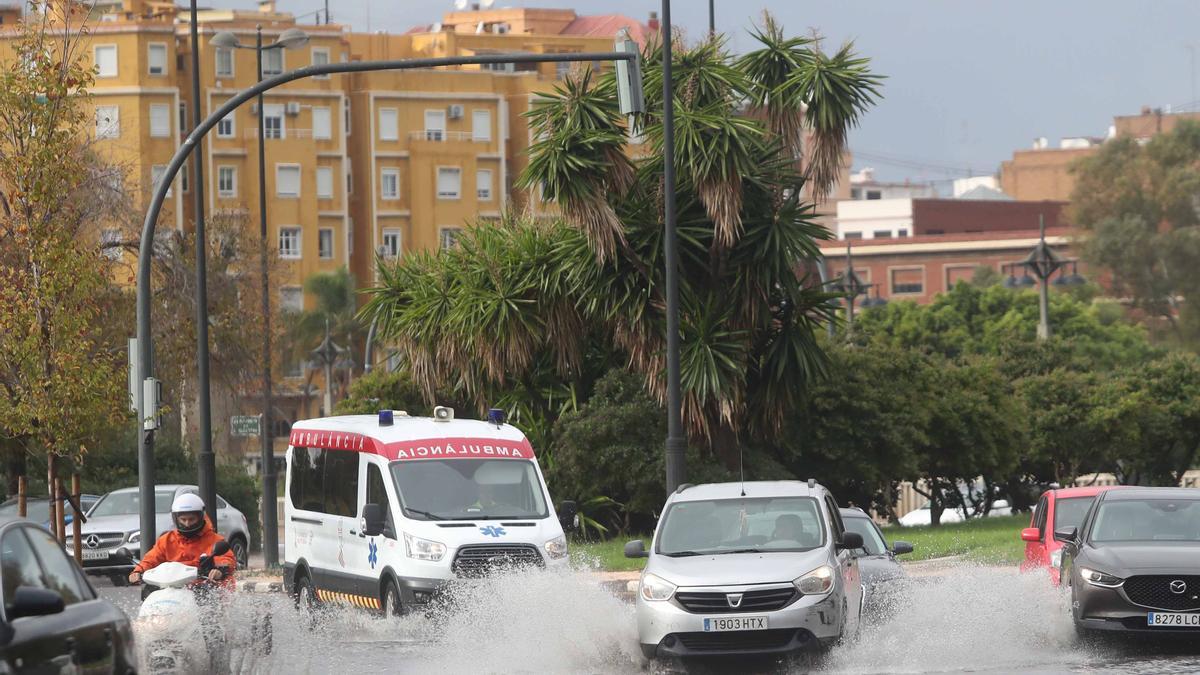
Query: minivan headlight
x,y
816,582
1100,578
423,549
556,548
656,588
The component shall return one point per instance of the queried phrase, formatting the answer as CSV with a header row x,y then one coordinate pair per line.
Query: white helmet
x,y
188,503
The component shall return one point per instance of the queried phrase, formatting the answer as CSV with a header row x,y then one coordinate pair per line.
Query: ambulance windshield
x,y
469,489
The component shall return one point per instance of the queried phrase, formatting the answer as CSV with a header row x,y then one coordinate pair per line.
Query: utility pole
x,y
270,516
676,447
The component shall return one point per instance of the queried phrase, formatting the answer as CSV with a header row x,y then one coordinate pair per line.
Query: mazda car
x,y
1133,564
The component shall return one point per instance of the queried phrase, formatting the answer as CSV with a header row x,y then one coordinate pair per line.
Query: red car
x,y
1059,508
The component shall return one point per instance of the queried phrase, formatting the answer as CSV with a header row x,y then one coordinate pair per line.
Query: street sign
x,y
245,425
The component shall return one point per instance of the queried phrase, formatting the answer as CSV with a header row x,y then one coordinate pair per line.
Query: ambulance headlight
x,y
423,549
556,548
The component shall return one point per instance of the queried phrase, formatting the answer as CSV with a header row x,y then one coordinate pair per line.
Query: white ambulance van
x,y
381,511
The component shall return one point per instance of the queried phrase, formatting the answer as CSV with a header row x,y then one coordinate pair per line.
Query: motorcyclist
x,y
192,537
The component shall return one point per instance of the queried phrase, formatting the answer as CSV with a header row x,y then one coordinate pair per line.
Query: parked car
x,y
37,509
882,574
112,535
1133,564
924,515
53,621
755,568
1056,509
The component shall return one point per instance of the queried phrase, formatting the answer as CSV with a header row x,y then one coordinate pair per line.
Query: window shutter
x,y
160,120
321,124
388,124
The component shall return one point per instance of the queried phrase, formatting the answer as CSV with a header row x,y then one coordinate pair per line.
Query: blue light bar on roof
x,y
385,418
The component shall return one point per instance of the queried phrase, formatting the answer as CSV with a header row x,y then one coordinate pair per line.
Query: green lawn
x,y
989,540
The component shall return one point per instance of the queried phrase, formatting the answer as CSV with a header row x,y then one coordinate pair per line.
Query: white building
x,y
874,218
863,186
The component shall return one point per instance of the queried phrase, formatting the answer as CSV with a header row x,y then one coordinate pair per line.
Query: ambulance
x,y
382,511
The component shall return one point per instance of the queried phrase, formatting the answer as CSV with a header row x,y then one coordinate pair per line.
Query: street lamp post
x,y
1043,262
146,408
676,446
288,39
327,355
850,285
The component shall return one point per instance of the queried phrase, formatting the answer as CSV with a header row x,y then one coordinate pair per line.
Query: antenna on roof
x,y
742,467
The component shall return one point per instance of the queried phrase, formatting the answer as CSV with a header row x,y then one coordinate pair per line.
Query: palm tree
x,y
523,300
336,308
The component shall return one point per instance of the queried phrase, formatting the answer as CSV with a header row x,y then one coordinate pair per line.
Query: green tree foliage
x,y
60,387
1137,204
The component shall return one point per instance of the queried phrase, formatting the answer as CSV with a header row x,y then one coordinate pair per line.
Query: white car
x,y
381,512
924,515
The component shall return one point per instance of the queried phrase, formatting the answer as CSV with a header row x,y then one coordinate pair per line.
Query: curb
x,y
260,586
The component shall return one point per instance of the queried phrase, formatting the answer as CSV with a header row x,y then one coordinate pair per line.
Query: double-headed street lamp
x,y
1042,262
629,80
851,286
289,39
330,355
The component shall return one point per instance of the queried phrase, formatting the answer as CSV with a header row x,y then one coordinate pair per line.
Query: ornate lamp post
x,y
1042,262
850,285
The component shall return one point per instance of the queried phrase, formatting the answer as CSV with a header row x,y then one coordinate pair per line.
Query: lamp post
x,y
288,39
147,407
850,285
328,355
1043,262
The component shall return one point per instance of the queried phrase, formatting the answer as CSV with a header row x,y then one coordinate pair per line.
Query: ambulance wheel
x,y
391,599
306,600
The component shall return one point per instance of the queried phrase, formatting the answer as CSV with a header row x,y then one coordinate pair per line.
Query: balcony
x,y
439,136
276,134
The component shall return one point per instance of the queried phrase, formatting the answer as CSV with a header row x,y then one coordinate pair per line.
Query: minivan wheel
x,y
391,599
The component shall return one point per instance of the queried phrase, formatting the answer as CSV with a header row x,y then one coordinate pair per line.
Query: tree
x,y
1136,203
532,300
336,309
60,386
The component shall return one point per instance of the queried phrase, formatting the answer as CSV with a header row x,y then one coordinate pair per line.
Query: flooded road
x,y
964,619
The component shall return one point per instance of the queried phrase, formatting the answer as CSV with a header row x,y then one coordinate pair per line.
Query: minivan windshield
x,y
126,502
1128,520
469,489
741,525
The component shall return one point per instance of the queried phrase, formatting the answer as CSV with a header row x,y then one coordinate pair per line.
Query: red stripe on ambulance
x,y
428,448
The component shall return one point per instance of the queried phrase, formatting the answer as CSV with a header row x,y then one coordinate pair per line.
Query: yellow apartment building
x,y
356,165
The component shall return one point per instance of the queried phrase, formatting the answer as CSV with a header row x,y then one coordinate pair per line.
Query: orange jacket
x,y
174,547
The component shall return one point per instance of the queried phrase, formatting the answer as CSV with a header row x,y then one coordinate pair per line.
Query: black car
x,y
882,575
1134,563
53,621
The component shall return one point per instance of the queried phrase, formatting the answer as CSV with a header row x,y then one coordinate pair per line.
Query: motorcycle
x,y
179,627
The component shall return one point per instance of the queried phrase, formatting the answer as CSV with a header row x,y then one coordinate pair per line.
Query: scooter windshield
x,y
469,489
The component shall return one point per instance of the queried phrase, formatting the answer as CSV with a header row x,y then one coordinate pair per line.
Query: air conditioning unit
x,y
454,112
254,109
293,108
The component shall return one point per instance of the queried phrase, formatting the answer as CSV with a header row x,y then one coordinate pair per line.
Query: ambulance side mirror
x,y
372,520
568,515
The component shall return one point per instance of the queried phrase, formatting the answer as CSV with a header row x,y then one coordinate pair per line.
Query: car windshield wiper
x,y
419,512
683,554
743,550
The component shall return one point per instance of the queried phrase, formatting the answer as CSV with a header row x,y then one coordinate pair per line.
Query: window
x,y
160,120
287,180
435,125
562,69
874,194
855,193
449,182
183,117
18,562
908,280
109,244
377,494
58,572
349,179
225,127
105,57
224,62
341,482
481,125
324,182
389,184
483,185
882,234
320,57
156,175
349,233
227,182
957,273
902,232
156,58
391,242
448,237
183,176
108,121
388,124
321,124
306,487
291,299
346,115
325,243
852,235
273,120
272,62
289,242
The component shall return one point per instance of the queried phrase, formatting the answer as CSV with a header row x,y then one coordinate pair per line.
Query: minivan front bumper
x,y
667,630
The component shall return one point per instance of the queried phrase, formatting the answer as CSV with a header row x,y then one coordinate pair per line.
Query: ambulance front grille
x,y
483,559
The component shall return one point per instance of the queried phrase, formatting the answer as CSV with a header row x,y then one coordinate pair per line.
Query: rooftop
x,y
763,488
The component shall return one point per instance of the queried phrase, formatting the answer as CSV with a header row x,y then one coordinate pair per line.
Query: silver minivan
x,y
761,567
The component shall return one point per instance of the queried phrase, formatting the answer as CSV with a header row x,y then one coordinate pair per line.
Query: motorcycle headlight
x,y
423,549
656,588
134,538
1099,578
816,582
556,548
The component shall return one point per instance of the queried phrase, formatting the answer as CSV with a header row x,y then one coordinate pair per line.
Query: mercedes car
x,y
1134,562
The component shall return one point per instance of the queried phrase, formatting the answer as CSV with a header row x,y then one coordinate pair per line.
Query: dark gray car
x,y
882,575
1134,562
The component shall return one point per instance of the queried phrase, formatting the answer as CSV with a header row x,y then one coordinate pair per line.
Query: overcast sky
x,y
968,81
